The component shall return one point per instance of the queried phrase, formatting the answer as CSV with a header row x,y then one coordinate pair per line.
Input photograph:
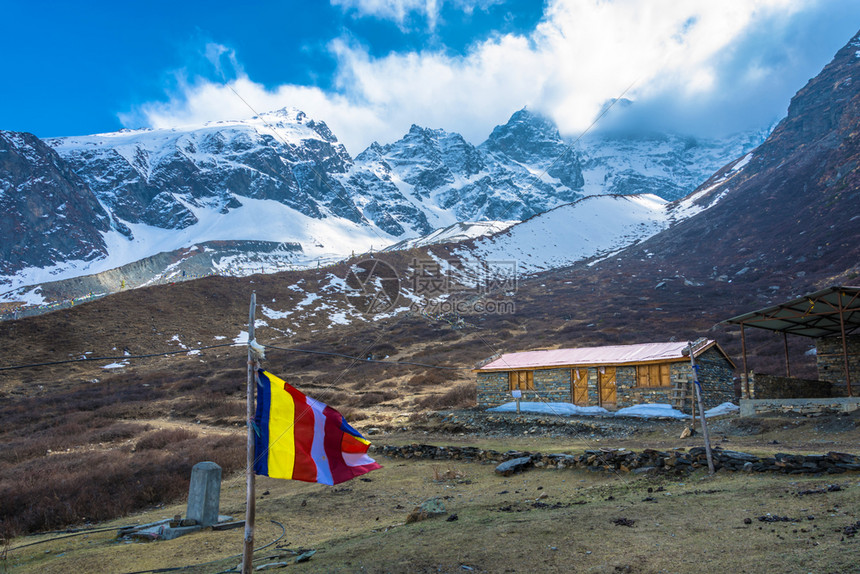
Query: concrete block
x,y
204,493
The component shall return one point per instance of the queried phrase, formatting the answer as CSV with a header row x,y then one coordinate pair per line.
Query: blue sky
x,y
371,68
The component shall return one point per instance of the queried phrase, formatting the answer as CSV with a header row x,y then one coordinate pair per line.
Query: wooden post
x,y
250,510
785,346
701,411
517,394
746,370
844,348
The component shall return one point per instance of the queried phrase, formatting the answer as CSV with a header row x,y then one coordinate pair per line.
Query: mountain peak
x,y
525,135
288,113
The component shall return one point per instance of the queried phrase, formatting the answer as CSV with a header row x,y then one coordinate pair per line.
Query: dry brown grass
x,y
69,458
539,521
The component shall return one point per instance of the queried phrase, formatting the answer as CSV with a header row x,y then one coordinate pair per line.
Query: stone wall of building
x,y
553,385
493,389
657,395
716,376
799,406
831,365
775,387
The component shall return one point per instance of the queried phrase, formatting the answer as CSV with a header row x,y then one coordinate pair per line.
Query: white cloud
x,y
582,53
399,11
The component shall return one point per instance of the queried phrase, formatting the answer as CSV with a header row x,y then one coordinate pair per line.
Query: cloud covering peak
x,y
694,67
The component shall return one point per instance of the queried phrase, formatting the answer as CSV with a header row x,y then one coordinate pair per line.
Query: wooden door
x,y
606,388
579,387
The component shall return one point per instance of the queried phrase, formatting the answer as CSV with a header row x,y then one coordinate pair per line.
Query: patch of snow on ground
x,y
652,410
549,408
309,298
723,409
241,338
272,314
744,160
339,318
660,410
116,365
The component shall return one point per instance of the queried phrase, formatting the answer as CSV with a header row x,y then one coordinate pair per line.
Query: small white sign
x,y
517,393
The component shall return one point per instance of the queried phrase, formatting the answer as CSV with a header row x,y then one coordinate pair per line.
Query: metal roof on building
x,y
814,315
594,356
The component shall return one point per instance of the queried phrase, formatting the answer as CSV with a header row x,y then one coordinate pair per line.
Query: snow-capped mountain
x,y
158,177
47,213
667,165
433,178
284,178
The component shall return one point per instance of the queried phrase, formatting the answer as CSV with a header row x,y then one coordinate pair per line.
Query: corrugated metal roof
x,y
609,355
819,314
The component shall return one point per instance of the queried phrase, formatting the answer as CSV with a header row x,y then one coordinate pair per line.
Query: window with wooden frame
x,y
653,376
522,380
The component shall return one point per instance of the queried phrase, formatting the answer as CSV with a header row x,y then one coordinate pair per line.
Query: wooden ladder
x,y
680,395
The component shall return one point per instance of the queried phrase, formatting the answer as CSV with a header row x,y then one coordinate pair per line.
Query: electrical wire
x,y
368,360
190,350
77,533
234,556
121,357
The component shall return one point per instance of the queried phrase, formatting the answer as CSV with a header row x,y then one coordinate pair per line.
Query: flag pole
x,y
250,510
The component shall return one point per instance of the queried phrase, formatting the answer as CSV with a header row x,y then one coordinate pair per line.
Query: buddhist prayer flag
x,y
300,438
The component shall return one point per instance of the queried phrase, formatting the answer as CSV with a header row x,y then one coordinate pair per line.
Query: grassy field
x,y
538,521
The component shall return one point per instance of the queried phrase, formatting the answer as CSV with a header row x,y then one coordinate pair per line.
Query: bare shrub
x,y
162,438
460,397
361,383
350,414
119,431
374,398
428,379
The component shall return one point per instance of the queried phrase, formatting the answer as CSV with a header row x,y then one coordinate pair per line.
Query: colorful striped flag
x,y
300,438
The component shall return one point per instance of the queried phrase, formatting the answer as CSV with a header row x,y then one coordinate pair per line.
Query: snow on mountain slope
x,y
595,226
321,241
454,234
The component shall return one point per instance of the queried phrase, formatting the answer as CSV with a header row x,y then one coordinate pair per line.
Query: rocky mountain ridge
x,y
282,177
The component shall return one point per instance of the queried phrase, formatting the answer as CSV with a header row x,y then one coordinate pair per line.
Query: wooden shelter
x,y
830,316
611,377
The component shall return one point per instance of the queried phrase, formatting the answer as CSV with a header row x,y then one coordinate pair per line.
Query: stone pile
x,y
621,460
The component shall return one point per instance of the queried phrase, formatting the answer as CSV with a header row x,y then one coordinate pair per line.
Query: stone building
x,y
612,377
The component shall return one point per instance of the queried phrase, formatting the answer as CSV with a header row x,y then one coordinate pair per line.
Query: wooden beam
x,y
845,349
746,370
